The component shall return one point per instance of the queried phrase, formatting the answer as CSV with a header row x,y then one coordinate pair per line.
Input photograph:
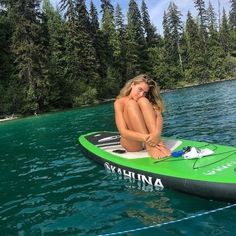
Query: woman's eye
x,y
140,90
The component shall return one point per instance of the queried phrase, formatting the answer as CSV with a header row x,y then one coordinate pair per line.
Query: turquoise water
x,y
48,187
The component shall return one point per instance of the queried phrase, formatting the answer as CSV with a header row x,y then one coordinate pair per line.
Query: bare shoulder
x,y
120,102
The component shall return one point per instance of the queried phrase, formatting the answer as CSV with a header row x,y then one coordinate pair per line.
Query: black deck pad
x,y
104,138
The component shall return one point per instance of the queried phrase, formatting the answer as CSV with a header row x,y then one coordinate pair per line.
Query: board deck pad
x,y
111,143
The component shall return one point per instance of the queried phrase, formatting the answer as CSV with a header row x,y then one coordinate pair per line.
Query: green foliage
x,y
136,48
93,19
48,61
55,31
230,66
106,6
174,25
29,50
31,104
87,97
112,30
224,33
6,56
111,85
203,27
152,38
232,16
1,99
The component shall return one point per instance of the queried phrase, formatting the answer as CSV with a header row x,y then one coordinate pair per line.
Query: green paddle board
x,y
212,176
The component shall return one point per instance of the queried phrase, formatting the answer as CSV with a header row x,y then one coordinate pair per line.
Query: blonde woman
x,y
138,116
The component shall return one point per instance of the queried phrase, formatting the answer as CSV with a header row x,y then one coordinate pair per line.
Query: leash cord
x,y
170,222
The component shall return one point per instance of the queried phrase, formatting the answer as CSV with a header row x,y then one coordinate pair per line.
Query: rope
x,y
170,222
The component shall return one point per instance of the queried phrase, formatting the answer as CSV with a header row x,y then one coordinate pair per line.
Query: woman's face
x,y
139,90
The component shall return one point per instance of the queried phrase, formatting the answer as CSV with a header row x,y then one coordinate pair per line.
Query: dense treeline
x,y
55,59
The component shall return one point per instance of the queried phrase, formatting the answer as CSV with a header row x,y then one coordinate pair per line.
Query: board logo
x,y
132,176
107,139
221,168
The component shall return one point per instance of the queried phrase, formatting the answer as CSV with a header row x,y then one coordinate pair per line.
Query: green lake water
x,y
48,187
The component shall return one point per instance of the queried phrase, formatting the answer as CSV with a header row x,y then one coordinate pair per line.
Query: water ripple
x,y
48,187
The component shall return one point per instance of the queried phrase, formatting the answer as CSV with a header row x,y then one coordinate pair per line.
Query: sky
x,y
156,8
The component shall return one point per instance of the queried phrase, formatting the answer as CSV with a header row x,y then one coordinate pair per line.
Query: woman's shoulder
x,y
120,101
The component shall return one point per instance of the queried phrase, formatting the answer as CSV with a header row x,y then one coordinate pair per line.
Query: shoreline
x,y
8,118
102,101
198,84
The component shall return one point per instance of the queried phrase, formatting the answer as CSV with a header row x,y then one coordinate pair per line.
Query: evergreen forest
x,y
54,59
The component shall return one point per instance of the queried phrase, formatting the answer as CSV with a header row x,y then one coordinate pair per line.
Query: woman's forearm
x,y
132,135
159,124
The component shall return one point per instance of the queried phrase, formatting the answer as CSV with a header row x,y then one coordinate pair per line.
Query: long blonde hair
x,y
153,94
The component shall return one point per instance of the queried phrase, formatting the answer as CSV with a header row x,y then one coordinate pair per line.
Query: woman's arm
x,y
122,127
159,123
155,135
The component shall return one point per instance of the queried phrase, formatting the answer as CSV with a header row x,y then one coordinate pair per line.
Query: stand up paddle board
x,y
211,175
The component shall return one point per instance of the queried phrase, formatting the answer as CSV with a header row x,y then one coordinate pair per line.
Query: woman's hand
x,y
153,139
159,151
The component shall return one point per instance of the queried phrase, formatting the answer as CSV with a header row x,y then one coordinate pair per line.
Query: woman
x,y
138,115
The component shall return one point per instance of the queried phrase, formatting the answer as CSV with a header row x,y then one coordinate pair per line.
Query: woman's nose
x,y
142,94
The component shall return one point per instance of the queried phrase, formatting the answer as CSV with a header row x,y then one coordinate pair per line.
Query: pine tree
x,y
136,53
203,73
98,44
106,6
232,22
202,14
213,40
56,50
7,98
113,54
71,73
166,71
120,30
119,22
212,27
166,31
93,18
67,6
224,33
109,31
200,5
81,71
232,15
175,27
193,56
215,51
30,54
152,38
212,21
87,65
172,57
108,28
191,30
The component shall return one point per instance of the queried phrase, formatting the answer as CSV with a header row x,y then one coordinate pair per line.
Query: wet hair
x,y
153,94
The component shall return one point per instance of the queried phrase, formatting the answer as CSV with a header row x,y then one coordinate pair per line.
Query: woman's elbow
x,y
122,133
